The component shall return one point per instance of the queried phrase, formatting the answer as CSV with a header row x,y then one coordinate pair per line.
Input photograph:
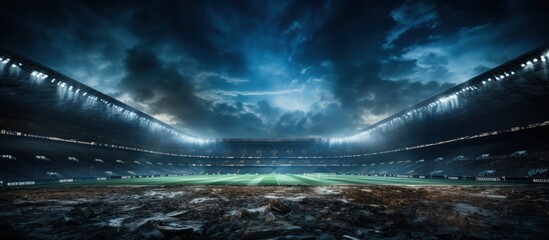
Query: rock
x,y
349,237
245,214
309,222
83,213
213,230
294,237
335,225
176,213
171,232
361,232
257,232
104,233
322,226
366,217
185,229
270,218
226,230
326,236
278,206
147,231
292,205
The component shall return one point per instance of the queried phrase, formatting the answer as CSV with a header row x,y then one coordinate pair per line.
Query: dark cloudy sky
x,y
272,68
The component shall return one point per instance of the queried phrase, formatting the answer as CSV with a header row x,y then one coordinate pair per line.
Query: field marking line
x,y
277,182
297,181
255,181
218,179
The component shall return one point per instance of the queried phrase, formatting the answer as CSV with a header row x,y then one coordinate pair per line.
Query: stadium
x,y
57,131
471,162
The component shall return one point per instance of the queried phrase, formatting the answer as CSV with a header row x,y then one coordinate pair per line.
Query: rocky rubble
x,y
278,212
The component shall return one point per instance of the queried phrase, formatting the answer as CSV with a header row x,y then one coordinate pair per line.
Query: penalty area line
x,y
277,182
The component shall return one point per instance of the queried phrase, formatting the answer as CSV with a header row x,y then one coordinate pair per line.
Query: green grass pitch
x,y
279,179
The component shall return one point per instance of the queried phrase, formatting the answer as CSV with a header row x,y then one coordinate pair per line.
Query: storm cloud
x,y
272,68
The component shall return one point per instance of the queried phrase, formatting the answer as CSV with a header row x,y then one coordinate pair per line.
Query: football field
x,y
279,179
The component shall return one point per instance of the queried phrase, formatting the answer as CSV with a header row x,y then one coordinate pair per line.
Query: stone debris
x,y
168,231
280,207
277,212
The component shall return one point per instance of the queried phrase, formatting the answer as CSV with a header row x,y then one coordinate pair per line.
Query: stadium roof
x,y
34,87
513,94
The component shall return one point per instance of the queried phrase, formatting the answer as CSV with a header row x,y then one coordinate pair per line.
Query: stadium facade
x,y
492,127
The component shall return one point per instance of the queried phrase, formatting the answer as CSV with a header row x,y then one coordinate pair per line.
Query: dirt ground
x,y
278,212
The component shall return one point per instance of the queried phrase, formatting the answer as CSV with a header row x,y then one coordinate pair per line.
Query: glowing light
x,y
523,65
535,60
6,60
529,63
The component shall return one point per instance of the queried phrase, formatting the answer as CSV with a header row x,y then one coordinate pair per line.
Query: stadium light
x,y
523,65
6,60
535,60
